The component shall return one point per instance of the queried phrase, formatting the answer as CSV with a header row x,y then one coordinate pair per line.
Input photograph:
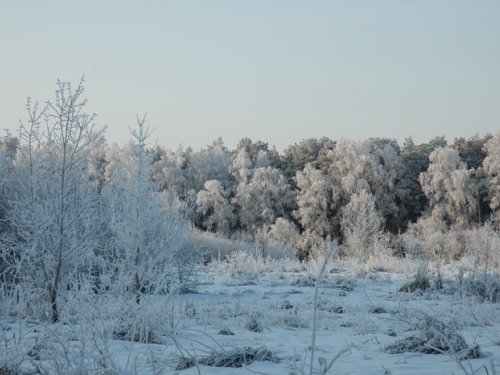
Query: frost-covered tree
x,y
414,163
472,150
307,151
148,230
492,166
214,207
351,166
242,166
387,186
7,190
97,164
253,149
449,186
53,213
361,223
169,171
285,233
374,166
262,195
317,202
415,160
211,163
8,146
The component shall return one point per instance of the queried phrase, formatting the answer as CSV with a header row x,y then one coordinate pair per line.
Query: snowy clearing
x,y
266,318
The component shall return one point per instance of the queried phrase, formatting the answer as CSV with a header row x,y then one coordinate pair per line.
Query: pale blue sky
x,y
278,71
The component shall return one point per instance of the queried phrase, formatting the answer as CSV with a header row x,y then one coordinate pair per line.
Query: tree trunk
x,y
137,289
53,305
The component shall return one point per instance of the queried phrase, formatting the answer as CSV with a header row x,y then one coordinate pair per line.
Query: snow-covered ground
x,y
269,311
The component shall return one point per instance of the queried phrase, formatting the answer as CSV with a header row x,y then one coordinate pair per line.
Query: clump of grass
x,y
290,320
238,357
434,337
336,309
420,282
138,331
485,286
254,325
233,359
304,282
345,284
138,325
378,310
226,332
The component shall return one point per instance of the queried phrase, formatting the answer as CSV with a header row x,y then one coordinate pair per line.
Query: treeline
x,y
316,188
78,212
322,189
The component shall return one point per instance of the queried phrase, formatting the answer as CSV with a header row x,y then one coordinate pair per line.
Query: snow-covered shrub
x,y
244,267
482,285
23,300
430,239
483,247
75,352
185,261
280,238
312,246
380,258
13,354
483,251
29,348
213,246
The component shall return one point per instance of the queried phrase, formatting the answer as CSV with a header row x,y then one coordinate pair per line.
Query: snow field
x,y
361,316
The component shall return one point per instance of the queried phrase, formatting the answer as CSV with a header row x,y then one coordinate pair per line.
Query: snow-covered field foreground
x,y
260,319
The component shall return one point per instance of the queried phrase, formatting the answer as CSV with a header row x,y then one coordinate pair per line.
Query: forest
x,y
81,216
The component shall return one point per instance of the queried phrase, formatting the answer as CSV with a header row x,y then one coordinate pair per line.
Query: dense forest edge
x,y
78,213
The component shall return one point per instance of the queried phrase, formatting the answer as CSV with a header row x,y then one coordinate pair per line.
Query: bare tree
x,y
52,213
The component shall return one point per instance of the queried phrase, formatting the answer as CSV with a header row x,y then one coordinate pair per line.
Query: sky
x,y
272,70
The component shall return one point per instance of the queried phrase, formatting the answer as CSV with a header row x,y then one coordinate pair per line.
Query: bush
x,y
431,239
483,246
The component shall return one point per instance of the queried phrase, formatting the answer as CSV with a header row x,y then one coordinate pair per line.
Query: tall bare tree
x,y
53,212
